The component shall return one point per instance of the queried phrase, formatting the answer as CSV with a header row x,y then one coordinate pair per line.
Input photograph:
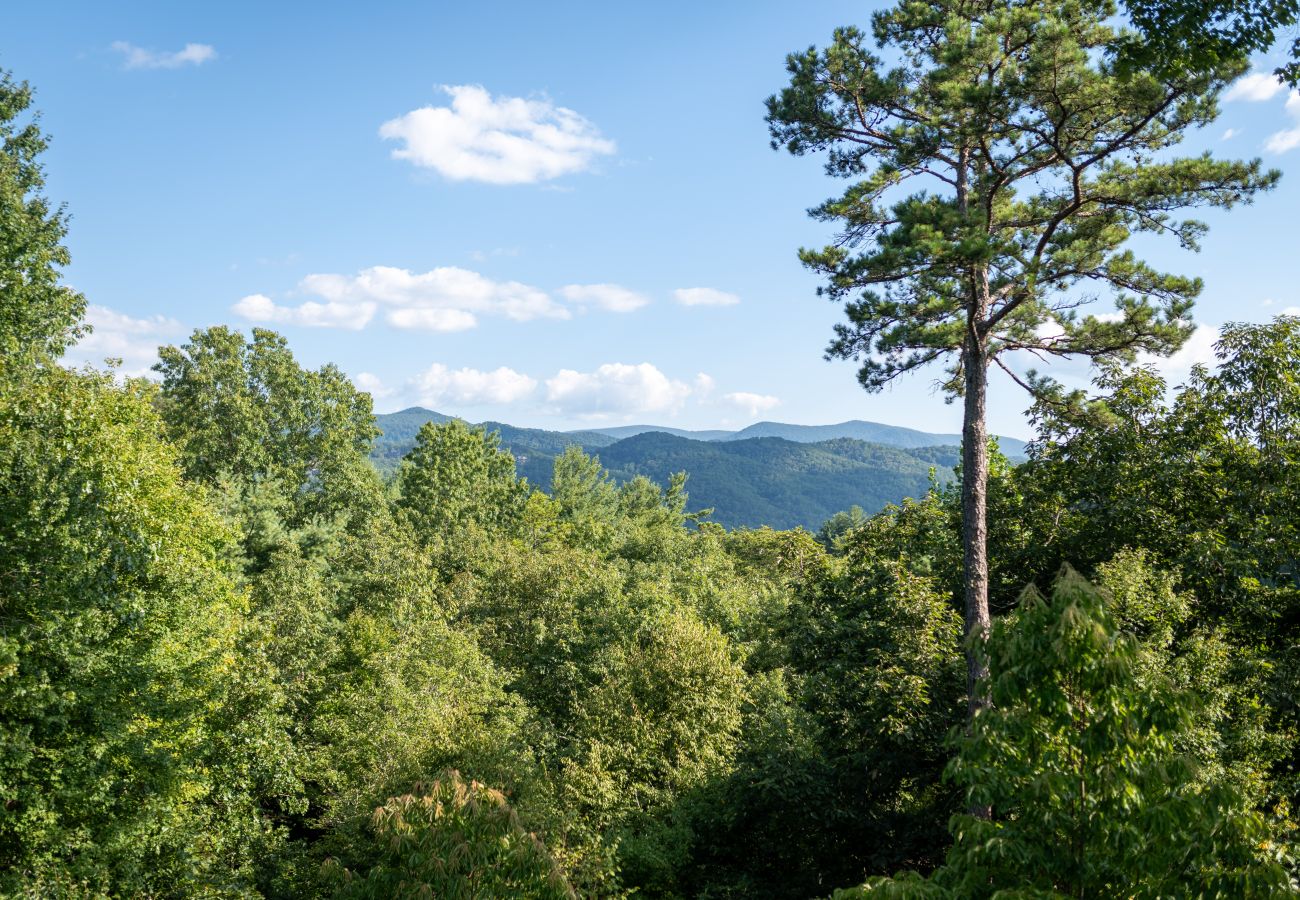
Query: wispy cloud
x,y
498,140
610,297
702,296
141,58
752,404
1287,139
1258,87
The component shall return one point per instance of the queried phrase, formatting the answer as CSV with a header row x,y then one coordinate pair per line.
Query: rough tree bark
x,y
974,495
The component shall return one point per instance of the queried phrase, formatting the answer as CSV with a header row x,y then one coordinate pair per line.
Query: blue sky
x,y
588,226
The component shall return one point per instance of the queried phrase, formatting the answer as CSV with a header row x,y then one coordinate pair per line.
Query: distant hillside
x,y
749,479
399,430
781,483
872,432
627,431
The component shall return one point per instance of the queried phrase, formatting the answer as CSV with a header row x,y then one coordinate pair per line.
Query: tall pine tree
x,y
1001,160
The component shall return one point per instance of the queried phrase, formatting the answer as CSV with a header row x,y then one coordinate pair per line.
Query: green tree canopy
x,y
137,736
1079,760
457,477
452,839
245,412
39,316
1190,34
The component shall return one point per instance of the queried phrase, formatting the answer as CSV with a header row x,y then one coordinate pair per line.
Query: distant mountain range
x,y
770,473
872,432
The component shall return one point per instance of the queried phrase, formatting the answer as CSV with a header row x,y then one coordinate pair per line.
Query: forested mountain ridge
x,y
627,431
779,483
871,432
747,482
397,433
399,430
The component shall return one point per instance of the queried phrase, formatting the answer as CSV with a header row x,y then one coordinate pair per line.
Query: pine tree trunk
x,y
974,510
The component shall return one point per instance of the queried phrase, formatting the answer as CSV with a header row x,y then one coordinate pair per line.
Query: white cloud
x,y
373,385
1289,311
1282,141
262,309
1257,87
610,297
471,387
1254,88
1287,139
445,299
443,321
1198,350
1229,134
117,335
139,58
1049,330
615,389
752,404
501,140
699,296
704,385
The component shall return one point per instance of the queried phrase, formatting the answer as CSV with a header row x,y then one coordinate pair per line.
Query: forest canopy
x,y
238,661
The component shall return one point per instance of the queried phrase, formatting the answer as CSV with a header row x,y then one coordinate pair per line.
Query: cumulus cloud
x,y
752,404
615,389
609,297
1229,134
263,310
1283,141
134,57
471,387
1258,87
1198,350
1254,88
445,299
373,385
498,140
1287,139
119,336
700,296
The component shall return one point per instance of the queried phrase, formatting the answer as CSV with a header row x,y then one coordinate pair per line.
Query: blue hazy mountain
x,y
872,432
627,431
801,475
778,482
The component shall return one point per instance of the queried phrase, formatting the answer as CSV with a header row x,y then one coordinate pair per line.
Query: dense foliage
x,y
236,661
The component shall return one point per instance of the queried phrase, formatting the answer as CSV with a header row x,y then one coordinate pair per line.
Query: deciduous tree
x,y
39,316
